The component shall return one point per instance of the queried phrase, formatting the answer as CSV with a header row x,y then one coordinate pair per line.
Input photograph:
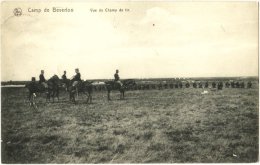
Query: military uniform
x,y
43,81
76,79
117,79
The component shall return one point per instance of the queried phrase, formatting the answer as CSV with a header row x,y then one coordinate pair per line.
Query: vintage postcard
x,y
129,82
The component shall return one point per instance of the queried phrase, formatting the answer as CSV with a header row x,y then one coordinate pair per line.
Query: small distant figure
x,y
249,84
242,85
214,85
237,84
227,84
220,85
200,84
32,86
233,84
42,79
117,78
76,78
187,84
180,84
206,84
194,85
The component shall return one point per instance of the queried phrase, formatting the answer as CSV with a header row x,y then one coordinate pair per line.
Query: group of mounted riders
x,y
73,86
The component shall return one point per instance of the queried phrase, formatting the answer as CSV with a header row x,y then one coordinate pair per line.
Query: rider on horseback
x,y
76,79
42,80
65,80
117,78
64,77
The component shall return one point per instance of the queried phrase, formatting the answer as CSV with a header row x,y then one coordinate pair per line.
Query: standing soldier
x,y
42,79
187,84
227,84
249,84
213,84
206,84
32,86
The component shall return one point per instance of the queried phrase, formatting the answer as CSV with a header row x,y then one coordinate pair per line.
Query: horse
x,y
113,85
84,87
51,91
33,88
53,88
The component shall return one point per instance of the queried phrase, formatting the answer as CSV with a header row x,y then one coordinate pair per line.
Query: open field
x,y
175,125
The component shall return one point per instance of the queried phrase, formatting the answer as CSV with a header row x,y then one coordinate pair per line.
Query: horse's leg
x,y
53,95
90,95
87,96
77,92
29,98
57,94
72,97
74,100
47,97
121,94
33,101
108,95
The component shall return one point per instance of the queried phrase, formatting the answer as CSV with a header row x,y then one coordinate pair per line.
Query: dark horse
x,y
112,85
51,91
84,87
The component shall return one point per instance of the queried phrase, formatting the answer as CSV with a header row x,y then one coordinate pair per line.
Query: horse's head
x,y
54,79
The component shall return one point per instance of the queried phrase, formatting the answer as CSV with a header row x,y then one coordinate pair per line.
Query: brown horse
x,y
84,87
51,91
112,85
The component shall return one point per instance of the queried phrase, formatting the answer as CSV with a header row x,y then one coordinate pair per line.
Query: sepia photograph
x,y
129,82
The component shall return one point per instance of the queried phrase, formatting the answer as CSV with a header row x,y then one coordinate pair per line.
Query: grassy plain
x,y
149,126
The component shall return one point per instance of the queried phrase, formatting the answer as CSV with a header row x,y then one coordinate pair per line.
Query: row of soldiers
x,y
218,85
75,79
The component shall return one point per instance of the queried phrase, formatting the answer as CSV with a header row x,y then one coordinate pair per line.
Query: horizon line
x,y
158,78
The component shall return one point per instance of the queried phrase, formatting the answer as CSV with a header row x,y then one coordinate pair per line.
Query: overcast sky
x,y
153,40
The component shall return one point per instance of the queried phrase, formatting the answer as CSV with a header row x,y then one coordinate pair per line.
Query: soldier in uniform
x,y
206,84
76,78
220,85
200,84
42,80
227,84
233,84
249,84
214,84
117,78
194,84
32,86
65,80
187,84
64,77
